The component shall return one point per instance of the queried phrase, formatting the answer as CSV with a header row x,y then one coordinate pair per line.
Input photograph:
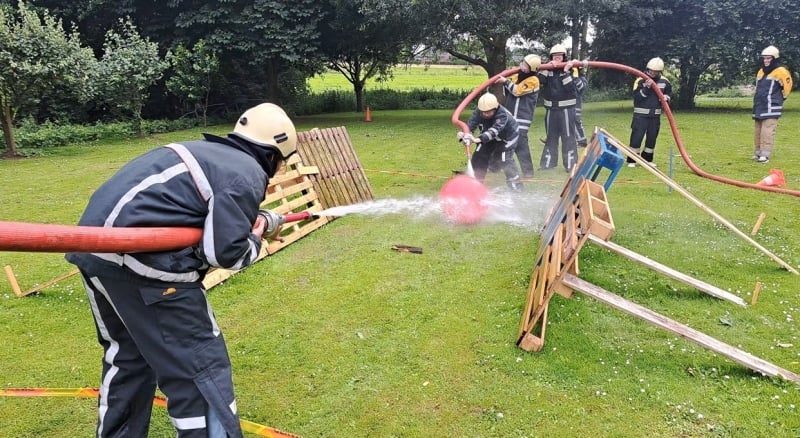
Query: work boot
x,y
514,184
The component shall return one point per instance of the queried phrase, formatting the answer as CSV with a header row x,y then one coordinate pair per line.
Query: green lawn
x,y
406,78
338,335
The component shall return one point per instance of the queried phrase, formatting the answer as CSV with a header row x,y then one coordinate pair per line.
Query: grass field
x,y
338,335
406,78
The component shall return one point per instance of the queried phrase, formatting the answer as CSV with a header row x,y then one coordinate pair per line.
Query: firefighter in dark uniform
x,y
560,97
773,85
522,92
496,142
150,309
647,110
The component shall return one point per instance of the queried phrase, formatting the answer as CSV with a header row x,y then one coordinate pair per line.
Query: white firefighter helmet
x,y
268,125
488,102
655,64
771,51
533,61
558,48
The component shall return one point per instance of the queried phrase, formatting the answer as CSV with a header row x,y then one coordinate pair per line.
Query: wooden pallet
x,y
341,179
324,173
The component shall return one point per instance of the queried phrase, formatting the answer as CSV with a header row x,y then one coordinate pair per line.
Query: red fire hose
x,y
30,237
673,126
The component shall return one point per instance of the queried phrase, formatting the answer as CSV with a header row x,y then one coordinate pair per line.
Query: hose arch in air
x,y
673,126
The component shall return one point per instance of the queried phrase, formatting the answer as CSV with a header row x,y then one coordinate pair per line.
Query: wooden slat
x,y
669,272
661,321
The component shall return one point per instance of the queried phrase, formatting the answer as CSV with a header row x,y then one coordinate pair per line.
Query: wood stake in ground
x,y
758,223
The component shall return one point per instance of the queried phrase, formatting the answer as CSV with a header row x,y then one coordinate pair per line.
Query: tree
x,y
360,45
695,38
36,57
268,39
194,73
130,65
491,24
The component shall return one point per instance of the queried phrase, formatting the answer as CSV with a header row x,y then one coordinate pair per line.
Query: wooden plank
x,y
329,152
669,272
356,169
51,282
530,301
660,321
13,280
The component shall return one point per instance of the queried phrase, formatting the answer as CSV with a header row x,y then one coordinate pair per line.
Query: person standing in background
x,y
647,110
560,97
522,92
773,85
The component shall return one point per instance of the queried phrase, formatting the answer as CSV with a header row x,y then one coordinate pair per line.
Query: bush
x,y
49,135
335,101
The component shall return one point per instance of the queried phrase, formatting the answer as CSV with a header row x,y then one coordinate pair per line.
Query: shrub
x,y
49,135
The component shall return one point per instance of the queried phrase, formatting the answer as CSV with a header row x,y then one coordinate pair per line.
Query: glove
x,y
273,221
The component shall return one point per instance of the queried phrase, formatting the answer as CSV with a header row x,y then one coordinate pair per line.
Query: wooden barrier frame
x,y
582,213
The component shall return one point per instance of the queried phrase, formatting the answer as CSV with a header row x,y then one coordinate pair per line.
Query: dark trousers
x,y
644,128
523,152
559,124
165,335
580,131
494,152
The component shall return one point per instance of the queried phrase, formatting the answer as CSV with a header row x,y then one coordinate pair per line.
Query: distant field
x,y
409,77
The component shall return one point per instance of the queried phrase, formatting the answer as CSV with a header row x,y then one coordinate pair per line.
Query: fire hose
x,y
673,126
32,237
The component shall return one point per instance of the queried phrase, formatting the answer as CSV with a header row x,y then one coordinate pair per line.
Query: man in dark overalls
x,y
150,309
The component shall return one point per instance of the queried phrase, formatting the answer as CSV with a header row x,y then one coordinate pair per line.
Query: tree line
x,y
86,61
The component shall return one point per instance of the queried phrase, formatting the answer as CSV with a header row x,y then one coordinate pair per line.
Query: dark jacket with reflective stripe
x,y
645,99
558,88
215,185
771,91
500,127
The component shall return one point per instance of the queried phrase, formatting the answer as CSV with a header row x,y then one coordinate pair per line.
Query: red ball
x,y
463,200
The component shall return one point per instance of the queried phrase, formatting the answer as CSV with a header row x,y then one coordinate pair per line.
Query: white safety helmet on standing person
x,y
771,51
656,64
558,48
532,62
267,126
488,102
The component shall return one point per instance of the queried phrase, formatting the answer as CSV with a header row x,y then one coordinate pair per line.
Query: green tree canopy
x,y
37,57
361,44
129,67
194,72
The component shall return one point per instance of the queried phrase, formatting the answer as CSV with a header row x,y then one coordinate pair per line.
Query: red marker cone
x,y
368,117
775,178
